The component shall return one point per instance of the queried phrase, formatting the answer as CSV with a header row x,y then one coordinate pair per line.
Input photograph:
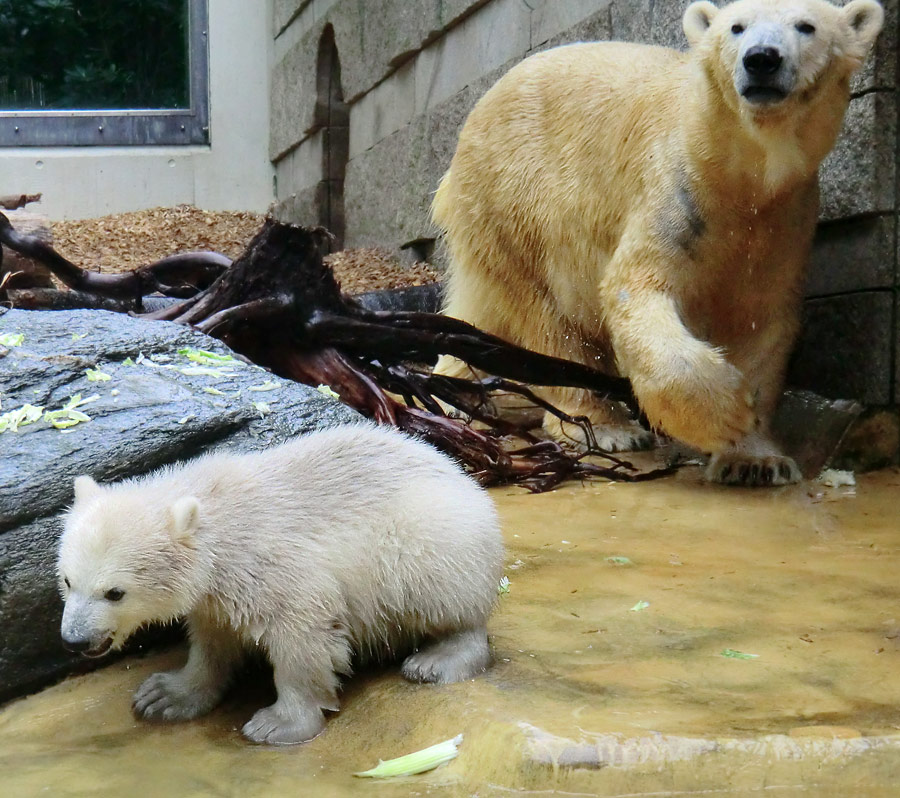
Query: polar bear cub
x,y
356,541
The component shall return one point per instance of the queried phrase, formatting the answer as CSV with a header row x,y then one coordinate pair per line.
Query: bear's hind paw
x,y
455,658
275,726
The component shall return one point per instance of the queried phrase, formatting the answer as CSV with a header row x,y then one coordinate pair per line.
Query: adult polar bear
x,y
651,212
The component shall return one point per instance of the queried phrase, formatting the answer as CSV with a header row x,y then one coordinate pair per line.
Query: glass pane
x,y
93,54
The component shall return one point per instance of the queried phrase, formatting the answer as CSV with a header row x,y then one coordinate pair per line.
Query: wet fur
x,y
619,205
353,542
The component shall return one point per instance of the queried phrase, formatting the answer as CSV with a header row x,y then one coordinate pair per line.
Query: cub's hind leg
x,y
455,658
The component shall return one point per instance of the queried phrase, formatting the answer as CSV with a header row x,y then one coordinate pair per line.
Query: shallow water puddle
x,y
666,639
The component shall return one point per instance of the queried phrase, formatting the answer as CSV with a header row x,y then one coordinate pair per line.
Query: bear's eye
x,y
114,594
737,30
805,28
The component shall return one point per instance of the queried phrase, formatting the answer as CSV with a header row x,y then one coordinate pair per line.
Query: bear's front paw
x,y
276,725
165,696
710,408
736,468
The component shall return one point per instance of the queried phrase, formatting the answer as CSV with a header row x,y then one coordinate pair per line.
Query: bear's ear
x,y
184,515
697,19
85,488
864,19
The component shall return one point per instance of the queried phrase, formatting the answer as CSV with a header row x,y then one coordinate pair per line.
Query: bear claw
x,y
164,696
748,471
274,726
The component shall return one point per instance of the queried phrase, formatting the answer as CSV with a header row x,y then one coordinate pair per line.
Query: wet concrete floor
x,y
661,639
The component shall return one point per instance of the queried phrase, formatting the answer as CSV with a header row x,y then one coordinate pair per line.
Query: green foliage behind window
x,y
93,54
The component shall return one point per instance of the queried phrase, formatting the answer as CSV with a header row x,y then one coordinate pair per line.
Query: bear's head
x,y
123,564
767,54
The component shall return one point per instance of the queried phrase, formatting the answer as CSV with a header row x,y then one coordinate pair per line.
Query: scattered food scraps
x,y
503,587
327,391
21,417
268,385
418,762
618,560
730,653
128,362
204,358
78,336
640,606
69,415
213,391
12,339
262,408
832,478
95,375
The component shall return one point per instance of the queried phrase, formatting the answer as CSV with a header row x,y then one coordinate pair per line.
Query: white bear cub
x,y
356,541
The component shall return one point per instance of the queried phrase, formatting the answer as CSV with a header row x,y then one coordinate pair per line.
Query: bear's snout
x,y
762,61
766,70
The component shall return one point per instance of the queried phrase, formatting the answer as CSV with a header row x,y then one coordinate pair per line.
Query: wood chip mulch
x,y
124,241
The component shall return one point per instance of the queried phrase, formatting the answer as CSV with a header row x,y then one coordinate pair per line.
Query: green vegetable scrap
x,y
262,408
69,415
640,606
326,390
12,339
418,762
95,375
202,371
268,385
78,337
128,362
213,391
204,358
730,653
618,560
503,587
26,414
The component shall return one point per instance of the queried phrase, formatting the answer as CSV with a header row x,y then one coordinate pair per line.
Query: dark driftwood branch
x,y
177,276
280,306
12,202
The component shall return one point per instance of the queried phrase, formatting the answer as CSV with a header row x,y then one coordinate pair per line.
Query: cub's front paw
x,y
709,407
276,725
739,468
165,696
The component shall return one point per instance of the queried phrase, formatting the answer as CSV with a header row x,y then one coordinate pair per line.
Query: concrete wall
x,y
232,173
412,72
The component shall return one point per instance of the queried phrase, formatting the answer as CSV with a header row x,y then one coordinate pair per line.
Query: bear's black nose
x,y
760,61
75,645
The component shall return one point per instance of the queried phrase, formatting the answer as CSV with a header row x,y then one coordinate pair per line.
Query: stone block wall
x,y
411,72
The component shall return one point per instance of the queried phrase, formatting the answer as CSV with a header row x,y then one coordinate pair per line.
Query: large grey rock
x,y
162,409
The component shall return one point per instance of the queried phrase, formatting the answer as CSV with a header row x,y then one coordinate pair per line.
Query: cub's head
x,y
766,54
123,563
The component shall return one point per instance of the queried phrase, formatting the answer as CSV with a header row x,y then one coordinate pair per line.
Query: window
x,y
92,72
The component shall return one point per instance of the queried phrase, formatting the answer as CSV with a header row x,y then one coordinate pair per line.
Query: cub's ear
x,y
86,488
184,516
697,19
864,20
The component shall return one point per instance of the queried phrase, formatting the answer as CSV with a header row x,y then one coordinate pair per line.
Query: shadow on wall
x,y
332,117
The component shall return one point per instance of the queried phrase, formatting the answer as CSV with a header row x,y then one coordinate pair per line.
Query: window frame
x,y
124,127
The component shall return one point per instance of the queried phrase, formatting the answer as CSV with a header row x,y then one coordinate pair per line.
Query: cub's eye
x,y
66,580
737,30
805,28
114,594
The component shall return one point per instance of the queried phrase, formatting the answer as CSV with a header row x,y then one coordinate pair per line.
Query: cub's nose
x,y
761,61
75,644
